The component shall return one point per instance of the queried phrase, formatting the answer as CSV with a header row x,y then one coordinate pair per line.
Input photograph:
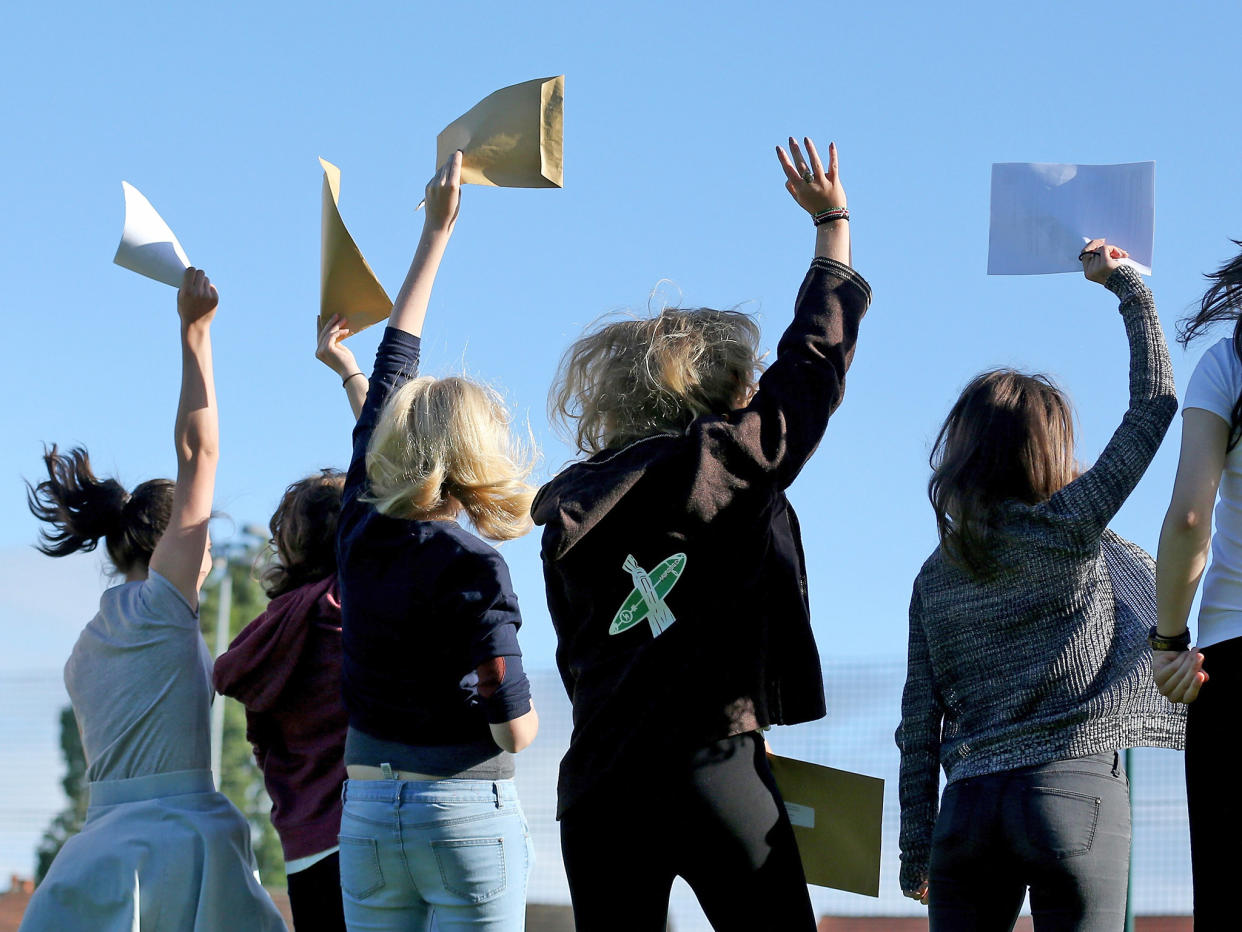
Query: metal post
x,y
1130,878
224,608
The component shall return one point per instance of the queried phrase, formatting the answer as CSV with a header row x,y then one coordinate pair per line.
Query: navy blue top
x,y
424,605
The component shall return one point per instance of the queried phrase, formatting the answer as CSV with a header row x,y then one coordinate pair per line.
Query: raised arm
x,y
181,556
340,359
396,360
1091,500
443,196
768,441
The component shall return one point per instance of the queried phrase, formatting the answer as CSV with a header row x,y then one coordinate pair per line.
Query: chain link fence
x,y
863,708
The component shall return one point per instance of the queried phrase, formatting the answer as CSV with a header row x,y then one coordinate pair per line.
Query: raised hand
x,y
1099,260
806,180
331,352
1179,674
197,298
443,195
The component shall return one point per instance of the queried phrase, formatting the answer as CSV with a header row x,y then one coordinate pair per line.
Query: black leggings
x,y
718,823
1212,787
315,897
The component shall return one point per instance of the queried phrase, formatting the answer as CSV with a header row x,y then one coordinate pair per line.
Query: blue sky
x,y
218,113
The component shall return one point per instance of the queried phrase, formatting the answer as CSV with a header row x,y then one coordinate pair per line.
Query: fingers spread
x,y
790,173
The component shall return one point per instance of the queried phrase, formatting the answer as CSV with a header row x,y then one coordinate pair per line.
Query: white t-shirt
x,y
1215,387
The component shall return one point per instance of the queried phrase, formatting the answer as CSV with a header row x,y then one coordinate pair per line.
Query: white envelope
x,y
148,246
1043,213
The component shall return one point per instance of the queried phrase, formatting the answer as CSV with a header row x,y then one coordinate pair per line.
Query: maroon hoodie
x,y
285,668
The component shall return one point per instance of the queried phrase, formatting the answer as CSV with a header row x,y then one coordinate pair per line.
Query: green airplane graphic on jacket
x,y
646,600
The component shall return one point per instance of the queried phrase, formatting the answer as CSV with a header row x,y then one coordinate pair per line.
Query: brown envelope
x,y
836,817
347,286
513,138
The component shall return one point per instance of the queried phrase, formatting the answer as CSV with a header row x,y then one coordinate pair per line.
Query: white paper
x,y
148,246
1043,213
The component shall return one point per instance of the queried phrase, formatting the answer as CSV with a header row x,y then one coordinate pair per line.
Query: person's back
x,y
1027,667
139,678
675,579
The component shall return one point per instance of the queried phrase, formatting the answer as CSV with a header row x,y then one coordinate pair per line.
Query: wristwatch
x,y
1176,642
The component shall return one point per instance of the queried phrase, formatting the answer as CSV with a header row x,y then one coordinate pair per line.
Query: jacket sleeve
x,y
1089,502
396,362
918,738
769,441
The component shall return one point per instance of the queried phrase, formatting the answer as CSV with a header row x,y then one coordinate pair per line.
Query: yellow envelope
x,y
836,818
513,138
347,286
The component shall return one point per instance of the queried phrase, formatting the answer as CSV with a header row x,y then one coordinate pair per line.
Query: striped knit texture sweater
x,y
1029,665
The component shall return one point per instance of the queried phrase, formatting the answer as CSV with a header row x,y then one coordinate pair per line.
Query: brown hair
x,y
637,377
1009,436
1222,301
83,510
303,530
444,440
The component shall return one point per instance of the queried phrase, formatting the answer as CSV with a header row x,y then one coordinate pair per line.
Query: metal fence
x,y
863,709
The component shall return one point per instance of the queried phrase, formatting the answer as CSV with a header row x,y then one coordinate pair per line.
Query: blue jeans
x,y
453,852
1061,828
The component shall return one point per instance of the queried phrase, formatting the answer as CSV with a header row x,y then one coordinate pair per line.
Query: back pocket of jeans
x,y
360,867
1060,824
472,868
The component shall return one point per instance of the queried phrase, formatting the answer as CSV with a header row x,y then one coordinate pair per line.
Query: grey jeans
x,y
1061,828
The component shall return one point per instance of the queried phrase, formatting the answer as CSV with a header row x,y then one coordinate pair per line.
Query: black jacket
x,y
674,567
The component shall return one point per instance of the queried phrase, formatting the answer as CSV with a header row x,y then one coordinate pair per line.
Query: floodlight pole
x,y
224,608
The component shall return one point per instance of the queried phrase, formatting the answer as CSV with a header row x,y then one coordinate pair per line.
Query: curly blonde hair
x,y
439,440
637,377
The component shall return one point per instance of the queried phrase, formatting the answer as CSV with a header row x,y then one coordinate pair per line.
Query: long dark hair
x,y
1222,301
1009,436
304,533
81,510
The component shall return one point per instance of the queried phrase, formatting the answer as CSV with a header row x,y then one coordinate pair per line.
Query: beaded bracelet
x,y
830,214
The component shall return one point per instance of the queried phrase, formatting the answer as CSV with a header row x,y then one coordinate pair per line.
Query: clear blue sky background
x,y
217,113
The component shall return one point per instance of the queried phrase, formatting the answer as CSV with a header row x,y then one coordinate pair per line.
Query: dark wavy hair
x,y
1009,436
1222,301
81,510
304,533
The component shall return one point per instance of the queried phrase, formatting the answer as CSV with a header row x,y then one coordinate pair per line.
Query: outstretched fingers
x,y
790,172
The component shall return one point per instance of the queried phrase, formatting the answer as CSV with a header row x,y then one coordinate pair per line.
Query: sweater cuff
x,y
1125,282
844,272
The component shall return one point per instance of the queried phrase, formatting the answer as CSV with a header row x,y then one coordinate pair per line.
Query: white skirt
x,y
163,852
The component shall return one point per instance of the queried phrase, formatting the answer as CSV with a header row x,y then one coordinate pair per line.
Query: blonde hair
x,y
438,438
637,377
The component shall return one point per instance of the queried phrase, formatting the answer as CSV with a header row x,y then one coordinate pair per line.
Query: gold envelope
x,y
347,286
836,817
513,138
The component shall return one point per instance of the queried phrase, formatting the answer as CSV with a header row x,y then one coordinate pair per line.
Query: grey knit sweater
x,y
1030,665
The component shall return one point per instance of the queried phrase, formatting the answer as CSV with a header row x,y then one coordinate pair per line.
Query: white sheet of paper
x,y
148,246
1043,213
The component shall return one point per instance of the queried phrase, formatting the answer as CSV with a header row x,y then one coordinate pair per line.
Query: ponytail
x,y
81,510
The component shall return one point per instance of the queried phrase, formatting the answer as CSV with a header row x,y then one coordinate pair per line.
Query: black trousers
x,y
315,897
1212,793
1061,828
717,821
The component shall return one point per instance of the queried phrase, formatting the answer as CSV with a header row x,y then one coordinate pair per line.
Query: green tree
x,y
240,778
68,822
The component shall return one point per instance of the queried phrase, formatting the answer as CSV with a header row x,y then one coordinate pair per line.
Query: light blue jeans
x,y
443,854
